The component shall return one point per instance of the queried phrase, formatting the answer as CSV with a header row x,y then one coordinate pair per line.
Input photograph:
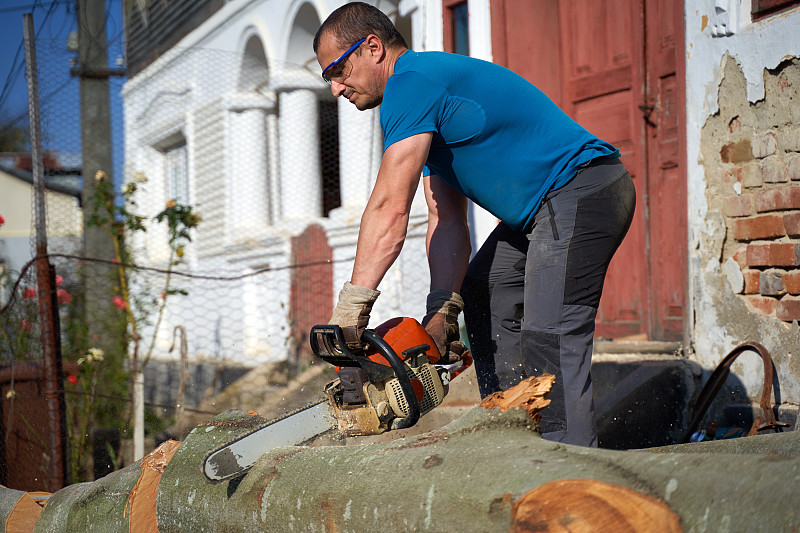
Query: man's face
x,y
355,76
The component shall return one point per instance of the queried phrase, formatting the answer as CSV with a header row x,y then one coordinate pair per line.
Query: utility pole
x,y
96,156
102,319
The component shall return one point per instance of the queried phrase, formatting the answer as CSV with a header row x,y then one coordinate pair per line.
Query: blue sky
x,y
53,20
59,96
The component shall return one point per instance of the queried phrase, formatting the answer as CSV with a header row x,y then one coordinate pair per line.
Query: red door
x,y
611,65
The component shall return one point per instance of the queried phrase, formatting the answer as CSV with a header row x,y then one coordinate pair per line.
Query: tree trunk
x,y
488,471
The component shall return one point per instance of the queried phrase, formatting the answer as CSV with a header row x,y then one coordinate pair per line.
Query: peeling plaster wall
x,y
722,42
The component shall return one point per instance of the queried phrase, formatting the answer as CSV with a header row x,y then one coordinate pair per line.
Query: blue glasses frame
x,y
340,59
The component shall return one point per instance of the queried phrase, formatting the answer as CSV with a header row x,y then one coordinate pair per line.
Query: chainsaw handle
x,y
334,351
400,373
466,362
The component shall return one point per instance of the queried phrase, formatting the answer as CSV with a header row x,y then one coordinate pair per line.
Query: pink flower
x,y
59,280
28,293
26,325
119,303
63,296
2,220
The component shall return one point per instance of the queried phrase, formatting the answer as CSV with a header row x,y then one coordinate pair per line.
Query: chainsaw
x,y
394,382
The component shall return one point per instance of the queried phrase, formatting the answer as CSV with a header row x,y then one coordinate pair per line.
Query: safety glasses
x,y
336,70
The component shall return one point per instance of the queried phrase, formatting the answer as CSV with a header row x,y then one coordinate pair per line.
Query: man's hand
x,y
441,323
352,313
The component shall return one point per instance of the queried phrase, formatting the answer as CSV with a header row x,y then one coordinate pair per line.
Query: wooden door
x,y
611,65
664,114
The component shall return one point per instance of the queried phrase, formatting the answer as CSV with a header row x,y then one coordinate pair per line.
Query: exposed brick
x,y
770,283
762,304
739,205
788,308
773,171
751,175
774,254
793,167
791,223
765,145
737,152
791,282
751,279
758,227
740,256
789,138
731,175
778,199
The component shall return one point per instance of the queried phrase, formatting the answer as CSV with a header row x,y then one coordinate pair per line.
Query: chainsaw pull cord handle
x,y
466,362
399,369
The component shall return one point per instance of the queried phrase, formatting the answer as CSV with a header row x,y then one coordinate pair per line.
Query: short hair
x,y
355,21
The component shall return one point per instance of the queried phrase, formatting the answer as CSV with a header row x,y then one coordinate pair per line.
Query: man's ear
x,y
375,47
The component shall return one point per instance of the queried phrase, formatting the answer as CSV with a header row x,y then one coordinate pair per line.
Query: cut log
x,y
589,506
488,471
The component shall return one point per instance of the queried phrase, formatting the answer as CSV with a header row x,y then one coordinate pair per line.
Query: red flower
x,y
28,293
73,378
2,220
63,296
59,280
119,303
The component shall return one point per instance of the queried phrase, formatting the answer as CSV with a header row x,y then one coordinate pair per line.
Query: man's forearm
x,y
448,253
385,220
380,240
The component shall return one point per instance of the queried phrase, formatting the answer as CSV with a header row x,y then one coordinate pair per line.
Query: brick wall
x,y
763,214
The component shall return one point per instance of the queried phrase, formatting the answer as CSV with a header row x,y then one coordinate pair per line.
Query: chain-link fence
x,y
219,234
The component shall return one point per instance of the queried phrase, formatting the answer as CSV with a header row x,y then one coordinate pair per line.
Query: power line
x,y
28,7
16,69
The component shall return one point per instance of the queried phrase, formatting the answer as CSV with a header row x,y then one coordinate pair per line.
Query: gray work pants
x,y
531,297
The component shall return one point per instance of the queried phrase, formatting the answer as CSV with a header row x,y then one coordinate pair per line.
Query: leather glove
x,y
352,313
441,323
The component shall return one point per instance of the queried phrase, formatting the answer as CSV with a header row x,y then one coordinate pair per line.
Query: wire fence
x,y
219,234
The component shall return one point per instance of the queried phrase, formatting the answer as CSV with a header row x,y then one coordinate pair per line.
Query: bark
x,y
786,444
487,471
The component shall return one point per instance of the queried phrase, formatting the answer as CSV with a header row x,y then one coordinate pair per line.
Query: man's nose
x,y
337,89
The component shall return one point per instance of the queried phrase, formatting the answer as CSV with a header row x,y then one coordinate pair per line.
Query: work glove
x,y
441,323
352,313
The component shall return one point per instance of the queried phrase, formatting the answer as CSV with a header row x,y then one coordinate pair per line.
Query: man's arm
x,y
384,223
447,242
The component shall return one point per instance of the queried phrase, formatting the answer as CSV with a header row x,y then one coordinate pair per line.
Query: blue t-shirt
x,y
497,138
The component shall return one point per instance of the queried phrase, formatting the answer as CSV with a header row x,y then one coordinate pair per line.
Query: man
x,y
476,130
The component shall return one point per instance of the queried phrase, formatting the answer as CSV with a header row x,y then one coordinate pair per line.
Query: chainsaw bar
x,y
236,457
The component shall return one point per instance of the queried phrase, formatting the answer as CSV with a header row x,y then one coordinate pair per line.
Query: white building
x,y
235,120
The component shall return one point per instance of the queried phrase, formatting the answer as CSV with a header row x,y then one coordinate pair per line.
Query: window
x,y
177,170
763,8
329,156
456,26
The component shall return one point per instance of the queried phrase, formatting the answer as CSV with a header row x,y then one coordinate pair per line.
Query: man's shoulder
x,y
412,61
